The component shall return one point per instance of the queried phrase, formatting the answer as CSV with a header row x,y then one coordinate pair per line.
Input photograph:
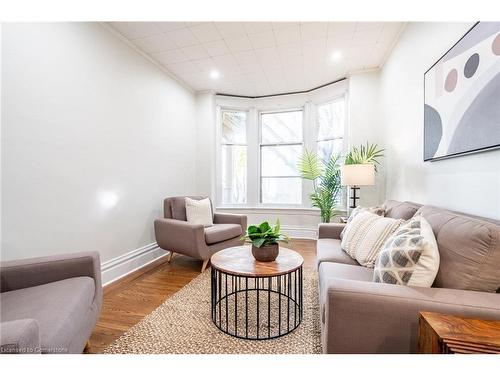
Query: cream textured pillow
x,y
378,210
366,234
410,256
199,212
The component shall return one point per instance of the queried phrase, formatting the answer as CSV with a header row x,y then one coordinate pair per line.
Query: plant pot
x,y
266,253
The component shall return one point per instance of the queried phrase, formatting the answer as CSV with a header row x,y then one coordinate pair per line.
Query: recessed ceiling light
x,y
336,55
214,74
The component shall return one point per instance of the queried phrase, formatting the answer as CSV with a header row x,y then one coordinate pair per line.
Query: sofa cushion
x,y
366,234
328,250
199,211
344,271
55,306
328,271
175,207
400,210
469,250
410,257
377,210
221,232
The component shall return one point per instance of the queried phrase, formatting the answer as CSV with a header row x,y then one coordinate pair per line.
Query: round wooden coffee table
x,y
256,300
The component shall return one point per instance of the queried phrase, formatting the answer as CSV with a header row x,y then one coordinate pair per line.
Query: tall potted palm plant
x,y
325,177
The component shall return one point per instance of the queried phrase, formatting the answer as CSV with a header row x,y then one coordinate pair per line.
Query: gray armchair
x,y
49,304
175,234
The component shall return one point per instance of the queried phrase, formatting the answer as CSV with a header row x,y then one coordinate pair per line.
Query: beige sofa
x,y
360,316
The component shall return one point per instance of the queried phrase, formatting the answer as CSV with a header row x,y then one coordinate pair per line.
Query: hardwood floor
x,y
130,299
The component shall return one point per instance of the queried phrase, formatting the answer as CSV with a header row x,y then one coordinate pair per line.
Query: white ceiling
x,y
262,58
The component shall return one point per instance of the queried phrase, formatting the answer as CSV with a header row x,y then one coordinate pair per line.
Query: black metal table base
x,y
256,308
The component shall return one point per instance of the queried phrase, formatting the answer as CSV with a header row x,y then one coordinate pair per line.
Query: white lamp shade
x,y
357,175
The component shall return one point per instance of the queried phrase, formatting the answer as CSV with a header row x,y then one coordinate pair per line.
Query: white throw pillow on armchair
x,y
199,212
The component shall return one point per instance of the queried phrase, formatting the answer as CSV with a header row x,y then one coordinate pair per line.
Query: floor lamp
x,y
356,175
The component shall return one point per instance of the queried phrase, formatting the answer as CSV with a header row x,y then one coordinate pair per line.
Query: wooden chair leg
x,y
87,347
170,256
205,262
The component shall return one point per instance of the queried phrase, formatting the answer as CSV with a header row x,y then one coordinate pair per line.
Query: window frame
x,y
302,143
310,130
219,143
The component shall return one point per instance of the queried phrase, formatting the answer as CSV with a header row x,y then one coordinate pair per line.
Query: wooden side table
x,y
448,334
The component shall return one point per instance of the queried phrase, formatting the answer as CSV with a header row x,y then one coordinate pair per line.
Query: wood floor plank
x,y
130,299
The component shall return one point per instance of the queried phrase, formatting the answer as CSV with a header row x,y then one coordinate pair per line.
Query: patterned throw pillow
x,y
366,234
410,256
377,210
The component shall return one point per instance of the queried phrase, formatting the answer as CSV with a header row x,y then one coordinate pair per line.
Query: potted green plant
x,y
264,239
368,154
325,176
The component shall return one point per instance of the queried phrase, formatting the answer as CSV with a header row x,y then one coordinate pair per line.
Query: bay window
x,y
261,141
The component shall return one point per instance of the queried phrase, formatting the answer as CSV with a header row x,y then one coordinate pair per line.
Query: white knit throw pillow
x,y
199,212
365,235
410,256
378,210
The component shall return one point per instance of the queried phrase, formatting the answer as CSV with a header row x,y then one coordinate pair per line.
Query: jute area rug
x,y
182,325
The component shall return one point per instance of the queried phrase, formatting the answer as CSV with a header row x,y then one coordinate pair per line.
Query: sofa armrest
x,y
368,317
220,218
25,273
180,236
330,230
20,337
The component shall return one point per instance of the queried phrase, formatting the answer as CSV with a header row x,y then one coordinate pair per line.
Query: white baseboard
x,y
121,266
300,232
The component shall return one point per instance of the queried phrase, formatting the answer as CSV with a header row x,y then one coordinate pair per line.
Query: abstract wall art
x,y
462,96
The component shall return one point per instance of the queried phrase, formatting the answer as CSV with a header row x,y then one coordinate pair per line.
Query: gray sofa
x,y
360,316
49,304
175,234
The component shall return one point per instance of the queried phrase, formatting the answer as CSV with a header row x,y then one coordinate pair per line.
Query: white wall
x,y
94,136
205,144
364,126
469,183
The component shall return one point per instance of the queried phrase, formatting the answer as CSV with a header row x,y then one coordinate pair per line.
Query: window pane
x,y
327,148
282,127
280,160
234,129
234,174
331,119
282,190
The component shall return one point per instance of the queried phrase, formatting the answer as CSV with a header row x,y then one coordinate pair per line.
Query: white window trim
x,y
253,108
